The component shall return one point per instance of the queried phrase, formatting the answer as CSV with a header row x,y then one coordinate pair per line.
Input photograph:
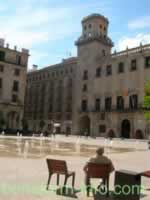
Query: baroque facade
x,y
102,91
49,96
13,70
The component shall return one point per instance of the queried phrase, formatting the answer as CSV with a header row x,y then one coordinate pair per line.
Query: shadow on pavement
x,y
68,192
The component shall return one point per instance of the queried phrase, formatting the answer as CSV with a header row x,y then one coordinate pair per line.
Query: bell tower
x,y
95,29
94,49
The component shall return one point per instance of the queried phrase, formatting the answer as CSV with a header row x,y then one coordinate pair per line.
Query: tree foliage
x,y
146,105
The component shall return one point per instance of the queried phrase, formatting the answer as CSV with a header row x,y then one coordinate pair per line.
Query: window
x,y
108,70
121,67
1,68
147,61
17,72
103,52
66,71
108,103
120,103
104,28
2,55
102,129
18,60
133,65
97,104
14,98
84,88
85,28
16,86
85,75
84,105
133,101
1,83
90,25
98,72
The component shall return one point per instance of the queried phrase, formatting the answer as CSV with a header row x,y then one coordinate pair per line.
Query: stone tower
x,y
93,47
95,34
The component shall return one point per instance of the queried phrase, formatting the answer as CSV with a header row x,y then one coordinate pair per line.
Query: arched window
x,y
120,103
98,72
121,67
103,52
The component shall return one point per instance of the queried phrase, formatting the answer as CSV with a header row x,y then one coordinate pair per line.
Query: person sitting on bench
x,y
99,158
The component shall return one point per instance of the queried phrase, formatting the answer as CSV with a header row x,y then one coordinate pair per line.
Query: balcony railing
x,y
115,109
141,48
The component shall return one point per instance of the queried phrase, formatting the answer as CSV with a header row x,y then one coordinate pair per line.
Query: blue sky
x,y
49,28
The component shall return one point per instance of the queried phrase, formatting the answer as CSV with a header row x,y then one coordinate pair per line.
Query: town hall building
x,y
98,93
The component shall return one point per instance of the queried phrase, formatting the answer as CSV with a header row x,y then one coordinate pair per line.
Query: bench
x,y
146,174
99,171
59,167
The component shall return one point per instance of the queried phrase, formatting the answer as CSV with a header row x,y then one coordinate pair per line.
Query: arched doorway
x,y
12,120
125,128
84,125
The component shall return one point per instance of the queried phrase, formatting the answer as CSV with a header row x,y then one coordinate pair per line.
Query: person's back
x,y
99,158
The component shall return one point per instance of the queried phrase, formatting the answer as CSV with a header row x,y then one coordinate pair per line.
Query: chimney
x,y
15,48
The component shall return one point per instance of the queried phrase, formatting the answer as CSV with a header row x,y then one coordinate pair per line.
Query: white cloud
x,y
36,24
142,22
32,28
132,41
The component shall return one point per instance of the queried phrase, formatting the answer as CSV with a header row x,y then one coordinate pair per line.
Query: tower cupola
x,y
95,27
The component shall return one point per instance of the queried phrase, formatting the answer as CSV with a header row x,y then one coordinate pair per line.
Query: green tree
x,y
146,105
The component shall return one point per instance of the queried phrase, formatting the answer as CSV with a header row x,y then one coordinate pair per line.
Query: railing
x,y
138,49
115,109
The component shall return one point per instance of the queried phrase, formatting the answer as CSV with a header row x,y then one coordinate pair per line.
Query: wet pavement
x,y
23,169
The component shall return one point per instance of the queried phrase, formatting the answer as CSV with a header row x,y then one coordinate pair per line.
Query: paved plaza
x,y
24,178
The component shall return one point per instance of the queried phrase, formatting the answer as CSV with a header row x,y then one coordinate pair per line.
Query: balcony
x,y
114,109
